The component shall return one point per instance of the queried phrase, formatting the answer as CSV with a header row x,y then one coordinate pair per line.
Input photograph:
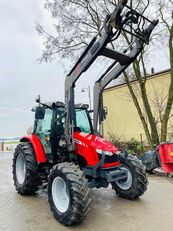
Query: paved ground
x,y
154,211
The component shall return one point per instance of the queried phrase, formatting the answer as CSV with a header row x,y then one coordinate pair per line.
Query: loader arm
x,y
114,71
113,25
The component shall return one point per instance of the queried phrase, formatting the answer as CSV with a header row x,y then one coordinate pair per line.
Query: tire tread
x,y
31,183
139,173
80,193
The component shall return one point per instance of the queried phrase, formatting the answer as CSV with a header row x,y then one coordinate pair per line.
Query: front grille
x,y
109,159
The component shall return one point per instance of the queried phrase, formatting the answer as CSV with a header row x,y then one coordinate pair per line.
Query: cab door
x,y
43,130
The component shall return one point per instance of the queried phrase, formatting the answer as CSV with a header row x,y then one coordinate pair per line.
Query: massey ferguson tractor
x,y
66,151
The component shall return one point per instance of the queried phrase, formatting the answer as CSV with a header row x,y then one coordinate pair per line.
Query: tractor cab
x,y
49,125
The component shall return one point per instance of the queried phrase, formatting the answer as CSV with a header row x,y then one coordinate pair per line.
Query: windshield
x,y
82,121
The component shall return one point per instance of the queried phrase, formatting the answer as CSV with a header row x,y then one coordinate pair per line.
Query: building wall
x,y
122,120
6,146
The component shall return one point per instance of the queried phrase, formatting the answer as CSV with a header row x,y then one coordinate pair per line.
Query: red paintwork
x,y
86,145
166,156
37,146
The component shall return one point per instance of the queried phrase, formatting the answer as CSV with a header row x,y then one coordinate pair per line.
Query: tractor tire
x,y
68,193
25,169
136,183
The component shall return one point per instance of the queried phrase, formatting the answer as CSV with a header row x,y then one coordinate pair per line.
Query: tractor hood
x,y
96,142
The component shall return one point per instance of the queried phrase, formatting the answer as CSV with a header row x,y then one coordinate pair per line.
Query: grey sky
x,y
22,78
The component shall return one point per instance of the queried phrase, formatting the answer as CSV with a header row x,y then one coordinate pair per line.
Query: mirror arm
x,y
45,105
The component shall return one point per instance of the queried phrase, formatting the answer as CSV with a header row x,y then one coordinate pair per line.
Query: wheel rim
x,y
60,194
20,168
125,184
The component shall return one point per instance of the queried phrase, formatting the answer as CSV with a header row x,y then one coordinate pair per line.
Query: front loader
x,y
65,151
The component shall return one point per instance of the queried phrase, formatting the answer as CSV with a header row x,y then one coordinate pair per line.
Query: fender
x,y
37,146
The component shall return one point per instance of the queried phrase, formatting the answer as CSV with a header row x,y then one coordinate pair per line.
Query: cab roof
x,y
59,104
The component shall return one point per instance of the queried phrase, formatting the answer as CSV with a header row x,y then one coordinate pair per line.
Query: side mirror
x,y
104,112
39,113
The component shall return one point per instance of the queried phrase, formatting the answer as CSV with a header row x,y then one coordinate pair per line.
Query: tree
x,y
166,13
77,22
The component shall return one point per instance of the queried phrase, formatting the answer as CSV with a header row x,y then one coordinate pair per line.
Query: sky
x,y
22,77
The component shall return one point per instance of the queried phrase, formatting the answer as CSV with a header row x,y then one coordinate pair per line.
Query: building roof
x,y
148,77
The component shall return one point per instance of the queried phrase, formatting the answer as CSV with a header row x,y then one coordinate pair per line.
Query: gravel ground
x,y
154,211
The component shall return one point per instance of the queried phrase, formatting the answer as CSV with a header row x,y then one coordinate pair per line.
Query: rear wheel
x,y
25,169
136,182
68,193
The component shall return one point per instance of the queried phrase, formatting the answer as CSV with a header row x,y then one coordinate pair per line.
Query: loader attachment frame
x,y
123,18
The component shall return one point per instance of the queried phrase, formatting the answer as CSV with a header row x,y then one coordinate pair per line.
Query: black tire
x,y
78,193
139,179
30,183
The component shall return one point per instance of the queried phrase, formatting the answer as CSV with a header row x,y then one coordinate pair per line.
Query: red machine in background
x,y
160,160
166,156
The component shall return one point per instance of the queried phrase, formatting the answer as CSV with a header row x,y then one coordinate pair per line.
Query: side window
x,y
44,126
83,121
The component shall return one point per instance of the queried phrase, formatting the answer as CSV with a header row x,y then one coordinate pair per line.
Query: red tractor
x,y
65,150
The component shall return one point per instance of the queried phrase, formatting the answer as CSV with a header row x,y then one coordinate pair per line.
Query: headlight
x,y
107,153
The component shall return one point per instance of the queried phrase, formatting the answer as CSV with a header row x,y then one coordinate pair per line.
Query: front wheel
x,y
25,166
68,193
136,182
